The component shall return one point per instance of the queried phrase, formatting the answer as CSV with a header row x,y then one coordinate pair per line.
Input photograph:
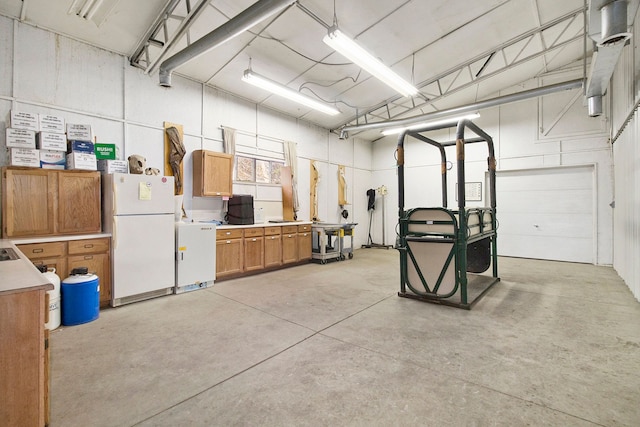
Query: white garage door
x,y
547,213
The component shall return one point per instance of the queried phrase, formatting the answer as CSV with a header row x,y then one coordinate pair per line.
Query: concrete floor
x,y
326,345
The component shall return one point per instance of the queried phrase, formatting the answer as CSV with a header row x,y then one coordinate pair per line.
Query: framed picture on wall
x,y
245,169
263,171
276,170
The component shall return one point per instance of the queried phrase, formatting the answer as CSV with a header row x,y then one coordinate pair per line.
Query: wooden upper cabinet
x,y
79,208
28,202
42,202
212,173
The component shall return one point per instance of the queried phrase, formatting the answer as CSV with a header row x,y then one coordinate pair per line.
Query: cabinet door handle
x,y
228,233
37,251
253,240
88,257
228,241
88,245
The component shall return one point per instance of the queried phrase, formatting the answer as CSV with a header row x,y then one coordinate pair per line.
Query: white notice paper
x,y
144,191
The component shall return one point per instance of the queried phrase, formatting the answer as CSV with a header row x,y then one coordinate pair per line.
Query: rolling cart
x,y
347,231
326,242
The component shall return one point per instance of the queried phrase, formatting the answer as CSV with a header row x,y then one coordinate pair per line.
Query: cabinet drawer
x,y
88,246
272,231
232,233
43,250
253,232
303,228
287,229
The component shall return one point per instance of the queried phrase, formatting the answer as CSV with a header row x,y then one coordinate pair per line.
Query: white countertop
x,y
20,275
264,224
45,239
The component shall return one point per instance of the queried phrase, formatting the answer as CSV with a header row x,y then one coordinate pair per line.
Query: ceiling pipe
x,y
493,102
594,105
608,23
254,14
614,22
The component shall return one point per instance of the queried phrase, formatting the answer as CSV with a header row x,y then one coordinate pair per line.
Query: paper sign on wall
x,y
144,191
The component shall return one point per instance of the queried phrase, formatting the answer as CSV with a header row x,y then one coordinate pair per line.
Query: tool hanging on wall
x,y
342,186
342,192
174,152
313,193
371,196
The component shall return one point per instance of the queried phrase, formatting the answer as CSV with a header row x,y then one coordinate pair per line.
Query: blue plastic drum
x,y
80,297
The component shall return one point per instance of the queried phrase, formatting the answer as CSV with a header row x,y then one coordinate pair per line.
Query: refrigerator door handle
x,y
114,234
113,196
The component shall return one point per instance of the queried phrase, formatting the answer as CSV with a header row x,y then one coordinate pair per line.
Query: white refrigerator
x,y
138,211
195,256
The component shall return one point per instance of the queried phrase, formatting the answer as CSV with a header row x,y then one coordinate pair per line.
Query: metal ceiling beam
x,y
499,53
254,14
159,36
488,103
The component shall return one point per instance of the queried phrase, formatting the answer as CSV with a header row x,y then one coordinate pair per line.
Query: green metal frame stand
x,y
441,250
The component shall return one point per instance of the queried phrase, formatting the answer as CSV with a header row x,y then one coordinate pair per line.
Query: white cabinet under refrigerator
x,y
138,211
195,256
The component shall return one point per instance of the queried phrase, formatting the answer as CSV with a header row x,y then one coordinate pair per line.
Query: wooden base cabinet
x,y
51,254
272,247
253,249
246,250
23,354
93,254
304,246
289,244
64,256
229,252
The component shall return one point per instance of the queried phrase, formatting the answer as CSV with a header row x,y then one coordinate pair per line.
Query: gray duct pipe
x,y
594,105
614,22
493,102
257,12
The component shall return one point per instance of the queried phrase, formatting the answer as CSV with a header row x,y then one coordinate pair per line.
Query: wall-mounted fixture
x,y
359,56
276,88
450,120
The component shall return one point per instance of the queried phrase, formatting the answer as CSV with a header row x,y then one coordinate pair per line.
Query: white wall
x,y
536,133
626,156
42,72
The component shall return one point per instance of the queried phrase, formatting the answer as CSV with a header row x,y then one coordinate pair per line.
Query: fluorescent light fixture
x,y
93,10
356,54
278,89
451,120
